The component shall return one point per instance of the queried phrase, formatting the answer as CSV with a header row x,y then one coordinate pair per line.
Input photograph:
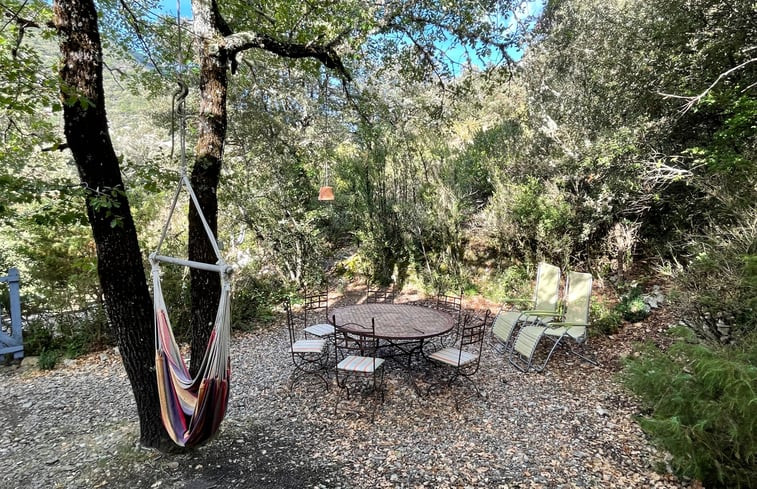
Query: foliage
x,y
48,359
632,307
717,291
702,409
512,282
606,320
38,337
254,298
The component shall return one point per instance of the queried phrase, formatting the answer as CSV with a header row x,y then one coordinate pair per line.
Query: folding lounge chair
x,y
572,326
543,306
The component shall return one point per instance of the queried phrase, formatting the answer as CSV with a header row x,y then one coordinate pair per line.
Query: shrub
x,y
254,298
717,290
38,337
632,307
48,359
604,319
701,407
513,282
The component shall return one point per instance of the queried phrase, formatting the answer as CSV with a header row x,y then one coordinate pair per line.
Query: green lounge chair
x,y
543,306
572,326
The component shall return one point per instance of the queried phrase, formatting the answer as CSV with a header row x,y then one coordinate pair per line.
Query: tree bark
x,y
205,286
119,266
218,46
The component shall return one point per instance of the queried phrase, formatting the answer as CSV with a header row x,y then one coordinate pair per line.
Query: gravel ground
x,y
571,427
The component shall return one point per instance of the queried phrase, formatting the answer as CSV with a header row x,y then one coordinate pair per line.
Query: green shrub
x,y
82,332
717,290
513,282
38,337
632,307
48,359
604,319
702,407
254,298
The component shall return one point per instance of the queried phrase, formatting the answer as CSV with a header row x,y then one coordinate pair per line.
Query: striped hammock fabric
x,y
192,408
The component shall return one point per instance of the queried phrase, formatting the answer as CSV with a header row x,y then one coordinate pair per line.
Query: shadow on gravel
x,y
236,460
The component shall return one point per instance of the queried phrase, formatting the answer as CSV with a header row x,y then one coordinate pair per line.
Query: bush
x,y
254,298
717,290
48,359
38,337
605,320
513,282
632,307
701,405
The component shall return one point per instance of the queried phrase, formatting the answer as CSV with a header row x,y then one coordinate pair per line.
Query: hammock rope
x,y
192,408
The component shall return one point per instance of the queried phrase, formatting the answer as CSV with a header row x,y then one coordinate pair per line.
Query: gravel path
x,y
571,427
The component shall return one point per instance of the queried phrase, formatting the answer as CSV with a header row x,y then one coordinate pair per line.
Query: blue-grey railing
x,y
12,344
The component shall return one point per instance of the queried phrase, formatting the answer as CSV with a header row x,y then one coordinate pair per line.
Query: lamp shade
x,y
326,193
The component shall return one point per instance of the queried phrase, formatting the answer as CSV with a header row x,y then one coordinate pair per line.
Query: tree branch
x,y
692,101
326,54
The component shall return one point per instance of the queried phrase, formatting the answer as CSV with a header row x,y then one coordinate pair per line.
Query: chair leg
x,y
557,343
583,354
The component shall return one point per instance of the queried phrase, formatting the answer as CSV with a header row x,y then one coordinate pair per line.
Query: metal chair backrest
x,y
547,290
472,332
449,303
290,321
577,297
473,329
315,302
380,294
363,344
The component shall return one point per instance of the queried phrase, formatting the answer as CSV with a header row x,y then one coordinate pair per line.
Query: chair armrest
x,y
542,312
566,324
516,301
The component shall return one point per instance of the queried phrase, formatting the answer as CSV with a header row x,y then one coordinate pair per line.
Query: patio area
x,y
569,427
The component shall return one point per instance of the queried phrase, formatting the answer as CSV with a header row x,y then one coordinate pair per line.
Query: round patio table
x,y
403,327
394,322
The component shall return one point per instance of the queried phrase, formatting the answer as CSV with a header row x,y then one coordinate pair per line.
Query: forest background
x,y
623,143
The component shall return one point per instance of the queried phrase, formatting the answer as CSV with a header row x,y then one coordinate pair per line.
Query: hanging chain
x,y
178,103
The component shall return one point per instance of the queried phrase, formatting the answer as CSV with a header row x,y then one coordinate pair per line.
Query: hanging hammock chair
x,y
191,408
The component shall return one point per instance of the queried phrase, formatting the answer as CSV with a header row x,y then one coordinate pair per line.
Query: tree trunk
x,y
119,265
205,286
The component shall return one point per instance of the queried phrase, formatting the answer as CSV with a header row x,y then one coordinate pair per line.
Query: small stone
x,y
29,362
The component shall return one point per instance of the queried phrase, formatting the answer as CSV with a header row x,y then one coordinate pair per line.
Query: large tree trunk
x,y
119,265
206,286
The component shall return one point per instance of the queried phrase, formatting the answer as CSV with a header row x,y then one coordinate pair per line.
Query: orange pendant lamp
x,y
326,192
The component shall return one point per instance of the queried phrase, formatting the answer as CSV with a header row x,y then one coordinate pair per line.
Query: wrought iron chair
x,y
449,303
316,311
377,294
465,358
571,326
309,356
357,361
452,304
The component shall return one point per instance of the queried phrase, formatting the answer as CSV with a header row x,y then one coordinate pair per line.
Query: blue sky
x,y
169,7
527,8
